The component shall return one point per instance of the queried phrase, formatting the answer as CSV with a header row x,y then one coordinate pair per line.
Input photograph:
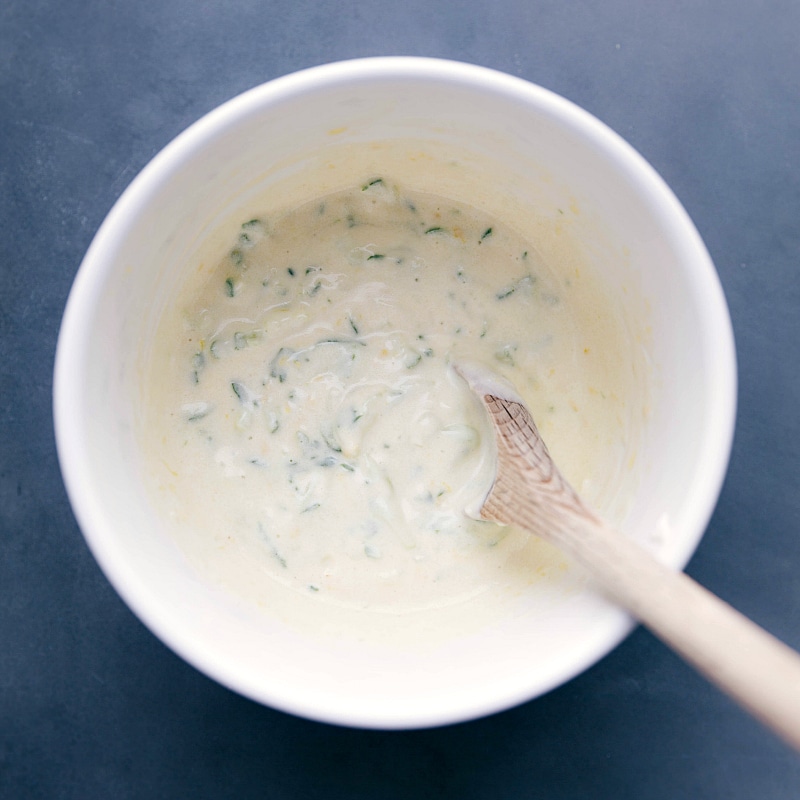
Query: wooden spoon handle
x,y
749,664
745,661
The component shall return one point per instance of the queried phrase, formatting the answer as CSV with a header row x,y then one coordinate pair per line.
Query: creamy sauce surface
x,y
309,428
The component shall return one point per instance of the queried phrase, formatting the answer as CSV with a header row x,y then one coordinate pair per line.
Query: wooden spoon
x,y
749,664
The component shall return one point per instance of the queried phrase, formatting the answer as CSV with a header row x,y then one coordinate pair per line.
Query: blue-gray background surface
x,y
91,704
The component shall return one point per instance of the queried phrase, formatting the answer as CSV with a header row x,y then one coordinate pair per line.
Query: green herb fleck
x,y
195,411
330,440
352,324
376,257
237,257
374,182
277,370
239,390
273,550
435,229
522,283
241,340
290,271
506,354
486,234
230,287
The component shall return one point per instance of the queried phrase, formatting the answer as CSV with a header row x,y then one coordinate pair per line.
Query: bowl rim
x,y
70,361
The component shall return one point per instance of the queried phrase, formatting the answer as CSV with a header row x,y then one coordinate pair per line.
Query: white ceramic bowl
x,y
541,153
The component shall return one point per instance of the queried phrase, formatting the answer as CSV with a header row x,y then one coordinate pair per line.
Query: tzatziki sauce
x,y
309,429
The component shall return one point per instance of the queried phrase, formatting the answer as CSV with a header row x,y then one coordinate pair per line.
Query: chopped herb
x,y
212,348
413,359
314,289
335,340
376,257
507,292
506,354
195,411
435,229
276,369
330,440
252,223
313,588
348,467
239,390
237,257
486,234
352,324
312,507
522,283
290,271
273,550
374,182
241,340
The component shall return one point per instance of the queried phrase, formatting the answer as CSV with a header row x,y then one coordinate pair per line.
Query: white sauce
x,y
308,425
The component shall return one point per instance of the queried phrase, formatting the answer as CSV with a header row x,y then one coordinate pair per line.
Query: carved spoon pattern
x,y
753,667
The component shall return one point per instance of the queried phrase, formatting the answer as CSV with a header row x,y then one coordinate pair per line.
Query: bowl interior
x,y
530,156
